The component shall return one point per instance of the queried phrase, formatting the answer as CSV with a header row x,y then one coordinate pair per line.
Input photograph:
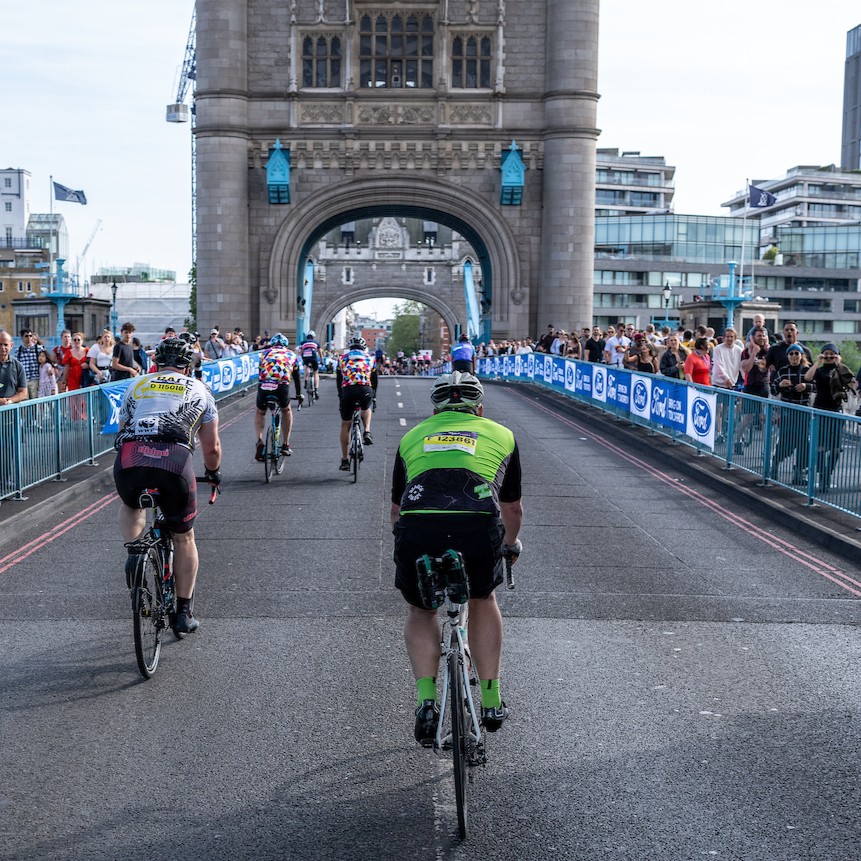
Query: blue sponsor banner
x,y
669,406
226,374
701,417
618,388
114,394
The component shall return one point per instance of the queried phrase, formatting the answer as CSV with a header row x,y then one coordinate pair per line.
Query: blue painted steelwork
x,y
513,177
730,292
278,174
811,452
473,314
60,297
303,302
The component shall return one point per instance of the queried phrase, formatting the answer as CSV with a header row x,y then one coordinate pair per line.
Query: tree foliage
x,y
406,328
191,319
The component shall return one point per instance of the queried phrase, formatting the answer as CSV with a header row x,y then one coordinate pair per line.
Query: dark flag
x,y
760,198
63,193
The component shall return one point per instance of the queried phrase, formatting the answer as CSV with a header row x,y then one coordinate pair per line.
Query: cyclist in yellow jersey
x,y
456,485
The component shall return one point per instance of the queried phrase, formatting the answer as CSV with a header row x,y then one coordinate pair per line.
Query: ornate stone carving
x,y
390,234
472,11
470,115
397,115
328,114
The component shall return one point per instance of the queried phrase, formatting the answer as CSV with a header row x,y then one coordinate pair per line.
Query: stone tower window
x,y
321,61
470,62
396,51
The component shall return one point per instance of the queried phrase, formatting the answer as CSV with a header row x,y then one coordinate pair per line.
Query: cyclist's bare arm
x,y
512,519
210,445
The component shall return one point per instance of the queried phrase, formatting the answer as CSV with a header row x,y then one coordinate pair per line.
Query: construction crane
x,y
83,255
180,112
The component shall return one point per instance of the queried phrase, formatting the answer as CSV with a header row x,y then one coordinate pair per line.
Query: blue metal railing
x,y
41,439
812,452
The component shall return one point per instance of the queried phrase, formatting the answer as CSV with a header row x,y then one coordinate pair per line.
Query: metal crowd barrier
x,y
812,452
41,439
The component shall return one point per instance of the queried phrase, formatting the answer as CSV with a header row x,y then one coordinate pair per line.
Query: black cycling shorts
x,y
168,467
351,395
478,537
310,362
281,394
462,365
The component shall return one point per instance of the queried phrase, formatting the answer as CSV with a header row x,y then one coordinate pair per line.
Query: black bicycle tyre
x,y
147,613
309,388
268,454
459,732
354,451
279,446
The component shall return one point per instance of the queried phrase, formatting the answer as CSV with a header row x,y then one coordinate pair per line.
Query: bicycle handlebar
x,y
213,494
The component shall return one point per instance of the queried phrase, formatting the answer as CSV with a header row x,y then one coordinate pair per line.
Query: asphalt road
x,y
682,674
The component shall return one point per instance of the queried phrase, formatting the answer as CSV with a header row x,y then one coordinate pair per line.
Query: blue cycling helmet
x,y
278,340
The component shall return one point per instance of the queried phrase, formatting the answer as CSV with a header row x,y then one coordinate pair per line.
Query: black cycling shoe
x,y
366,439
259,453
345,465
427,721
492,718
316,397
185,622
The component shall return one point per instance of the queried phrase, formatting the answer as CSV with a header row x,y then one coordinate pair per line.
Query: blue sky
x,y
724,91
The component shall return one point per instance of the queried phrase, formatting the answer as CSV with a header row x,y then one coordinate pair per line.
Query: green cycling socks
x,y
490,696
426,688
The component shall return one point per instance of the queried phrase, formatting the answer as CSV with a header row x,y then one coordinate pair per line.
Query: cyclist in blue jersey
x,y
463,356
309,350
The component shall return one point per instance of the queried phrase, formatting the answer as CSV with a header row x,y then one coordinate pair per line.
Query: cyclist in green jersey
x,y
456,485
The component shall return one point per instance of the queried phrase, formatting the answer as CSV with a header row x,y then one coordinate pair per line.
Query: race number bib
x,y
464,441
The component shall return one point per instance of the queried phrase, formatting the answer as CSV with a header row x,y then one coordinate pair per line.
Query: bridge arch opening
x,y
481,226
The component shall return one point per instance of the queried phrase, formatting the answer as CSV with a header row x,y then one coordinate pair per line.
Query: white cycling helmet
x,y
457,391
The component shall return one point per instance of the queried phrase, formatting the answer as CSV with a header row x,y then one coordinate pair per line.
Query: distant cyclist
x,y
160,417
456,486
309,350
356,377
278,365
463,355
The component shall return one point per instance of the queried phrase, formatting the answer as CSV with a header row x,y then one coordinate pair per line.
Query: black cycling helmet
x,y
457,391
173,353
358,342
188,337
463,337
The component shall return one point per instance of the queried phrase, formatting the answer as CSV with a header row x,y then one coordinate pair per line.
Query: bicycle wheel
x,y
355,450
309,389
269,454
279,448
147,613
459,731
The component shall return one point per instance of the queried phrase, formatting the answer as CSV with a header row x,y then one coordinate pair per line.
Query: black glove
x,y
213,476
512,551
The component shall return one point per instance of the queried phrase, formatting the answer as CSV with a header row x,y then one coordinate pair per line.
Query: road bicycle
x,y
310,385
150,577
273,451
357,445
443,583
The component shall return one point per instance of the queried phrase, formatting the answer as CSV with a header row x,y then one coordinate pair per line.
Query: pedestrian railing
x,y
811,452
41,439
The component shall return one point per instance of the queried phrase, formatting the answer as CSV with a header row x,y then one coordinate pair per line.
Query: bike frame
x,y
454,641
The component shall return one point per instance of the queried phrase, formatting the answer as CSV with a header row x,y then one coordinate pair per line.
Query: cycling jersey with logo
x,y
167,407
355,367
309,349
276,365
456,463
464,351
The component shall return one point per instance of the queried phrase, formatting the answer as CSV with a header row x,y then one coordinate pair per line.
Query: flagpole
x,y
743,234
51,238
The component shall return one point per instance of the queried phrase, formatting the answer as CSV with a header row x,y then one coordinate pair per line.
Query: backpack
x,y
839,380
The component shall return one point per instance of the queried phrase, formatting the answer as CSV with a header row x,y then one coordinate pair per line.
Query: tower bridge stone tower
x,y
395,108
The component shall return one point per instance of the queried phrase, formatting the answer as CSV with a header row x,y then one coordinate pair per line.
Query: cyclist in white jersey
x,y
160,418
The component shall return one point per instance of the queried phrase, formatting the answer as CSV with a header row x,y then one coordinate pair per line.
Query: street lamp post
x,y
114,320
668,292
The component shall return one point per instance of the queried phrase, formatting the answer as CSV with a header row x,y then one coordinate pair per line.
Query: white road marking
x,y
403,421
